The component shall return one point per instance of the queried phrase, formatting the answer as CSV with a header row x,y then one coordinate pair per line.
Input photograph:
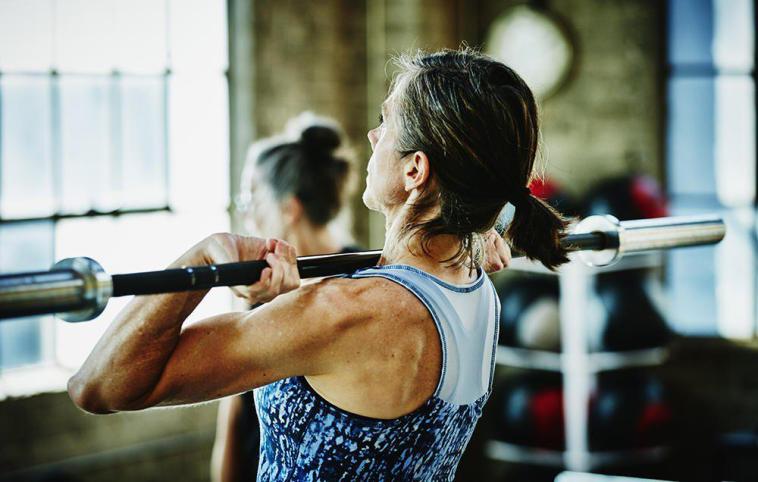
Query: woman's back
x,y
305,435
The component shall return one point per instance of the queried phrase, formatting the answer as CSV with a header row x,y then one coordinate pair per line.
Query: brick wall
x,y
608,118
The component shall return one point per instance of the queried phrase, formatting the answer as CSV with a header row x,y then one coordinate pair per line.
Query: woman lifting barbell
x,y
383,373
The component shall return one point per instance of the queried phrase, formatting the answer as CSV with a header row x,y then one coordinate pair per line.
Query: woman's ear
x,y
416,171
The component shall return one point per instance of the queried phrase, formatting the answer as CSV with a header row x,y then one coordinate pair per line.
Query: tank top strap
x,y
466,318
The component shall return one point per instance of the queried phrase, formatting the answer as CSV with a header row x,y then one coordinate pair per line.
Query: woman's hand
x,y
279,277
497,254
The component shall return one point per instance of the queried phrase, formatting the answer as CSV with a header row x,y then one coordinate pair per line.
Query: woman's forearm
x,y
129,368
128,360
226,461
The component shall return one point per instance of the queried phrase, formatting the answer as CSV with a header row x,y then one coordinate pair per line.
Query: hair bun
x,y
322,138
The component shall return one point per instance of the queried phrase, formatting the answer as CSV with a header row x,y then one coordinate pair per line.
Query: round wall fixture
x,y
535,43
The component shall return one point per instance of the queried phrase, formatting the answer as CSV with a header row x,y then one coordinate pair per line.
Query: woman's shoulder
x,y
363,292
352,300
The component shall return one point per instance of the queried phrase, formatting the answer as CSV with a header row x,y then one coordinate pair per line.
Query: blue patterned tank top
x,y
304,437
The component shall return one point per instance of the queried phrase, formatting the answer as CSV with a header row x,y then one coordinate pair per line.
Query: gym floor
x,y
648,109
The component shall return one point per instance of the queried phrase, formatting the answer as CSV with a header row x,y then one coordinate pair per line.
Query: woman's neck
x,y
310,240
400,248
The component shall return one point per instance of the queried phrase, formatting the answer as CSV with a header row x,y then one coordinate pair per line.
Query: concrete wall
x,y
46,435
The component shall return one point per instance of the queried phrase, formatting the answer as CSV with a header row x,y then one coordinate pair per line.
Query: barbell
x,y
78,289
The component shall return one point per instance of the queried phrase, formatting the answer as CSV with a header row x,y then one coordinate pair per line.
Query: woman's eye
x,y
381,119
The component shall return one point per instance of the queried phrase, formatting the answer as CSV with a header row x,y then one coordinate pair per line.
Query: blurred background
x,y
124,127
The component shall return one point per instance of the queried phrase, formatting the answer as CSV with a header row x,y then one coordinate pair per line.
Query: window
x,y
113,145
711,161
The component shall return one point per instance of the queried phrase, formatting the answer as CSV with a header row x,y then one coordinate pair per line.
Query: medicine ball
x,y
530,410
628,410
630,320
529,313
626,197
549,191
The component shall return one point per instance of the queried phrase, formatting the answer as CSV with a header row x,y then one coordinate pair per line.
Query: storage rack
x,y
578,366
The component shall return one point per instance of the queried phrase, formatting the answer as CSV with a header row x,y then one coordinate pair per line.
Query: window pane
x,y
736,267
123,245
712,289
690,31
198,39
26,35
95,238
199,142
24,247
85,35
143,142
690,142
734,34
735,140
26,173
691,291
141,35
86,144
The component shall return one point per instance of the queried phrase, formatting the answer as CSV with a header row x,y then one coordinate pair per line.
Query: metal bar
x,y
76,288
20,294
640,235
92,213
575,289
602,238
664,233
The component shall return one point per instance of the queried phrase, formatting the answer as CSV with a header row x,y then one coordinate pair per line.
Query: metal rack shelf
x,y
579,367
507,452
597,362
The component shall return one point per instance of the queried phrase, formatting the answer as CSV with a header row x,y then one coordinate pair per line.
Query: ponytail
x,y
536,230
477,122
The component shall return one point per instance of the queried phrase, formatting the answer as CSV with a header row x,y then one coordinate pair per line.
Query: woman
x,y
382,374
292,188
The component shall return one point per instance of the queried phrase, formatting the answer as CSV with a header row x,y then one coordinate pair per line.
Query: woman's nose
x,y
372,137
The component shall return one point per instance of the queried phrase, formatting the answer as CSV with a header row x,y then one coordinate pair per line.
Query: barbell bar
x,y
78,289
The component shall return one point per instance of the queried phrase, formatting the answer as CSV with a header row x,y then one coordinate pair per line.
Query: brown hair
x,y
476,120
306,162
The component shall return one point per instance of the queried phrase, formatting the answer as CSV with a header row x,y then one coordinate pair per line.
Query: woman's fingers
x,y
498,254
291,276
503,250
271,244
281,275
277,273
253,293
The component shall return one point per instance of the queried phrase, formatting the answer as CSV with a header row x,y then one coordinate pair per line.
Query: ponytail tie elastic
x,y
521,196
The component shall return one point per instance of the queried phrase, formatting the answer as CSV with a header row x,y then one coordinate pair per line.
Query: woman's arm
x,y
147,342
225,461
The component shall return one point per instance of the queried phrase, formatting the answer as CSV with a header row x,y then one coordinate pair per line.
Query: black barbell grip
x,y
233,274
248,272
